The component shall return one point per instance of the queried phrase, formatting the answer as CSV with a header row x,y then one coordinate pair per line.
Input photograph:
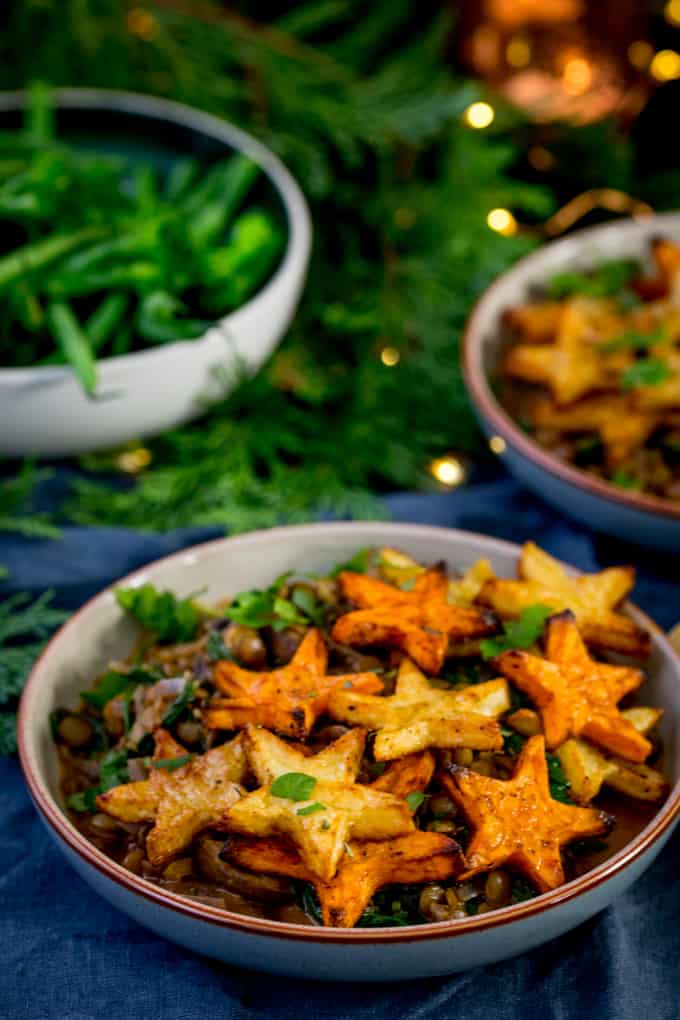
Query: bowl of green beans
x,y
151,257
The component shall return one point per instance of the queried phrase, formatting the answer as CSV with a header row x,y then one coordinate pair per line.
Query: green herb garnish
x,y
113,771
414,799
215,647
113,684
293,786
170,764
646,372
181,702
608,280
559,784
521,633
357,564
521,891
311,809
625,480
267,608
171,620
632,339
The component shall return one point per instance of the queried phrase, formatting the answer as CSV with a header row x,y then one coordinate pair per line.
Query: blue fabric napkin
x,y
68,955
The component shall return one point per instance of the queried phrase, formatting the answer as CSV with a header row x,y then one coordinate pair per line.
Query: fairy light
x,y
479,115
497,445
665,65
448,470
134,461
502,221
390,356
577,76
142,24
640,54
540,158
671,13
518,51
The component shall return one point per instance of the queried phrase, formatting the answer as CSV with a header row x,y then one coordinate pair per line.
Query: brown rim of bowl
x,y
496,415
54,816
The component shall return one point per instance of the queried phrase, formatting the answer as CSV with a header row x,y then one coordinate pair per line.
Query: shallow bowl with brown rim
x,y
100,632
636,517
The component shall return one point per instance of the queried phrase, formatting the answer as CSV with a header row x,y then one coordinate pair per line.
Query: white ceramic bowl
x,y
100,632
642,519
43,410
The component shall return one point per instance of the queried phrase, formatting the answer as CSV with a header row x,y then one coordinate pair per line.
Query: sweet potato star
x,y
421,621
575,695
315,800
418,715
415,858
592,598
288,700
517,823
182,796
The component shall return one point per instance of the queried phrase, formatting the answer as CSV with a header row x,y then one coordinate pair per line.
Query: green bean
x,y
121,342
158,319
141,276
233,272
73,342
145,187
179,180
230,186
40,253
104,320
142,239
27,307
39,114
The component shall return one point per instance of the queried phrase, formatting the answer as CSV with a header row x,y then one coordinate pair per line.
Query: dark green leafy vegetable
x,y
606,281
625,480
521,891
559,784
358,564
268,608
646,372
181,702
113,771
519,633
293,786
170,619
113,684
215,647
414,799
394,906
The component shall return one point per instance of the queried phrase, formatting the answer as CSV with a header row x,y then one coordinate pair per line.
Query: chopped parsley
x,y
171,620
311,809
518,633
632,339
113,771
114,684
608,280
171,764
625,480
181,702
358,564
215,647
268,608
646,372
293,786
414,799
559,784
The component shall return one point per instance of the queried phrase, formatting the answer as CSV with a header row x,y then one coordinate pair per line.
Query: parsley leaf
x,y
414,799
170,619
559,784
268,608
114,683
625,480
358,564
293,786
311,809
518,633
606,281
170,764
215,647
633,339
113,771
180,703
647,372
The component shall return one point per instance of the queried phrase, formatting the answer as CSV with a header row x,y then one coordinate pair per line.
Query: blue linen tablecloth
x,y
66,954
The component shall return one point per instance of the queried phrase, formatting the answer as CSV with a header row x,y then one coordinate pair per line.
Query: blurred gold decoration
x,y
665,65
671,13
502,221
132,462
142,24
561,59
390,356
449,471
479,115
610,199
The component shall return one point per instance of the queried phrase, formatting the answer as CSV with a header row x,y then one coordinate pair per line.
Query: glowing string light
x,y
479,115
448,471
665,65
502,221
390,356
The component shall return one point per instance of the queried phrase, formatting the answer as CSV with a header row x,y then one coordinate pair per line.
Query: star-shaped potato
x,y
420,621
401,569
575,695
587,769
622,428
418,715
592,598
288,700
180,799
517,823
314,801
415,858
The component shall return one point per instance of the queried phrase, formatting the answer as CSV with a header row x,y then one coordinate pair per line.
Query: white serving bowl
x,y
43,410
100,632
642,519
